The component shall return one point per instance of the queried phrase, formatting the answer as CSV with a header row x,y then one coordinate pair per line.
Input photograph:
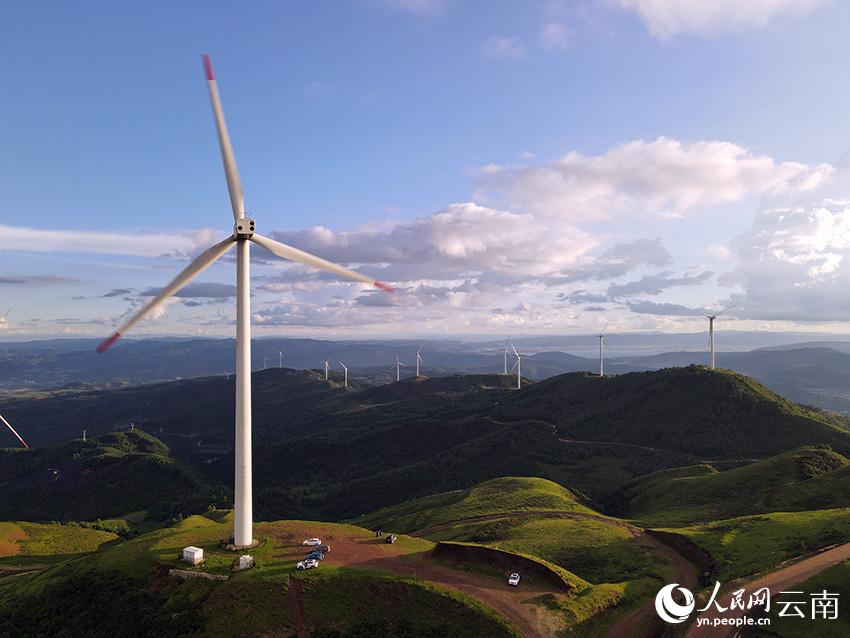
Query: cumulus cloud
x,y
668,18
665,177
460,240
655,308
616,261
656,284
794,264
503,46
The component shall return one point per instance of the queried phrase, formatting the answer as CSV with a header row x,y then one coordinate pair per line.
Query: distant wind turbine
x,y
505,353
711,317
398,365
418,359
602,347
345,367
242,237
280,359
14,431
518,368
327,364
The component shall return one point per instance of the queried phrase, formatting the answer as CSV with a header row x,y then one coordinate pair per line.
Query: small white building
x,y
193,555
246,561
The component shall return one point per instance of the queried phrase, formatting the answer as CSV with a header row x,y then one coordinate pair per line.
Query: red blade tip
x,y
208,68
105,345
380,285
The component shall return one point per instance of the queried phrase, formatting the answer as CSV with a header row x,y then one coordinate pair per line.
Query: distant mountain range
x,y
813,372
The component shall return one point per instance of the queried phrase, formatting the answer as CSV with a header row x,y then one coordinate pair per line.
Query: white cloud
x,y
319,88
554,35
794,264
500,46
461,240
664,177
20,239
668,18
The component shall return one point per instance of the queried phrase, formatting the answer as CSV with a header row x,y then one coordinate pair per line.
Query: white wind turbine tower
x,y
14,431
345,367
242,237
280,359
602,347
505,353
397,365
518,368
711,318
327,363
418,359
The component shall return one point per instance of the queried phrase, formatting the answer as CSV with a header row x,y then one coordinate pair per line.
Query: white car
x,y
513,579
312,542
310,563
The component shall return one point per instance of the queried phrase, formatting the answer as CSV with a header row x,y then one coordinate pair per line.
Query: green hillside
x,y
106,476
803,479
350,595
714,415
498,496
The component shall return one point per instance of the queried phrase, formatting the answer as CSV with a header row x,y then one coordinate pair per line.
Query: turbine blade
x,y
515,352
231,173
201,263
734,305
515,365
606,325
14,431
699,310
294,254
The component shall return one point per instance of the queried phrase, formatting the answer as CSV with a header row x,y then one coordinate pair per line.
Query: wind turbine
x,y
264,362
518,368
345,367
397,365
280,359
711,318
14,431
327,363
602,347
242,236
418,359
505,352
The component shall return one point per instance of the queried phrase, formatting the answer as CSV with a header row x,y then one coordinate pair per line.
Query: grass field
x,y
498,496
751,544
42,539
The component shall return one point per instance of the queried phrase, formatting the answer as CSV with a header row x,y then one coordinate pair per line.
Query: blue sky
x,y
429,142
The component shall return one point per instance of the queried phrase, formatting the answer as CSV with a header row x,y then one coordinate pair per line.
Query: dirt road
x,y
776,581
520,606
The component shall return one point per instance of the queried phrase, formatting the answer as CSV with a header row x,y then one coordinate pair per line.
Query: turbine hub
x,y
243,228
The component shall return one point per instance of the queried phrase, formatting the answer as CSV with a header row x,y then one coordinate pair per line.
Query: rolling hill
x,y
802,479
104,477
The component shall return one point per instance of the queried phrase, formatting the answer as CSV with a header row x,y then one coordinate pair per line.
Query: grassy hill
x,y
803,479
498,496
363,588
322,451
710,414
103,477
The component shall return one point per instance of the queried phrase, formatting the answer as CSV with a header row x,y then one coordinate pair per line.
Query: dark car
x,y
315,556
322,548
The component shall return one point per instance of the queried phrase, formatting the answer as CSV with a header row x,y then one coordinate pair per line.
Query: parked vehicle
x,y
392,538
513,579
312,542
323,548
315,556
308,563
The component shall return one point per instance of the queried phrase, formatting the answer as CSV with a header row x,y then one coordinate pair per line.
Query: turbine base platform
x,y
228,545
